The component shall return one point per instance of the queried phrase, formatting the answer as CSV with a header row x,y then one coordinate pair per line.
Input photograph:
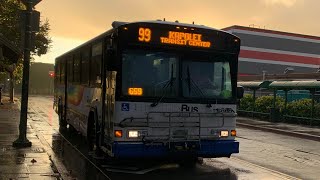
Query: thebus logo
x,y
187,108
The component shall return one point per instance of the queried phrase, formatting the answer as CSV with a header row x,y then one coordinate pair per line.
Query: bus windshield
x,y
155,74
206,79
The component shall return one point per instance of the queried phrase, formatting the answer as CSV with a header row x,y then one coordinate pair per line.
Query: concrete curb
x,y
280,131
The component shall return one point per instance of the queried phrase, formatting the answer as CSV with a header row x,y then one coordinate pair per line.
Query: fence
x,y
301,97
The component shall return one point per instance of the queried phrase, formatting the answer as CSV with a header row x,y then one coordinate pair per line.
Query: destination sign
x,y
173,38
185,39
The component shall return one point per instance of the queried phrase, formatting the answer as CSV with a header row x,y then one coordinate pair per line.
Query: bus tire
x,y
62,121
188,162
91,132
72,130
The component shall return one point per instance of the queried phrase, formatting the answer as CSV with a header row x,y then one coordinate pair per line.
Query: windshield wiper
x,y
191,82
164,89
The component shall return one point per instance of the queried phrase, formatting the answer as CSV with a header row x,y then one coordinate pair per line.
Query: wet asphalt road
x,y
263,155
295,156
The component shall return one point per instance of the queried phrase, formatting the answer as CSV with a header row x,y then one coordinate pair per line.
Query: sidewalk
x,y
25,163
301,131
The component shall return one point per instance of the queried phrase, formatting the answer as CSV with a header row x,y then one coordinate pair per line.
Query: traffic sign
x,y
35,20
34,2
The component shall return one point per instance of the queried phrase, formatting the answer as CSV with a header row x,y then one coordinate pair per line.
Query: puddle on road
x,y
81,168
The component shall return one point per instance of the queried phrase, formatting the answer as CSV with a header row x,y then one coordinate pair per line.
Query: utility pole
x,y
11,83
264,75
22,140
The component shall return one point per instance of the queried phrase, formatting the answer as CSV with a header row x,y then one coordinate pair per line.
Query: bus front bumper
x,y
206,148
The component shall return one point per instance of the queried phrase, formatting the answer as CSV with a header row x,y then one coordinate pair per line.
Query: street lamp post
x,y
22,140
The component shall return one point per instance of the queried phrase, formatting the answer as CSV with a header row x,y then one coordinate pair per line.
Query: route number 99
x,y
144,34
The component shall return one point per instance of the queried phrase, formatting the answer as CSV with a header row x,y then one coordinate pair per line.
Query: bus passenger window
x,y
70,69
76,68
85,60
57,72
96,64
62,74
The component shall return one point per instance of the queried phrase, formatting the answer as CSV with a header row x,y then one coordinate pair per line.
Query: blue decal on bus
x,y
125,107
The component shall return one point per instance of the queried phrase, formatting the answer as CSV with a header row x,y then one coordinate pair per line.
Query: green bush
x,y
298,108
246,103
265,103
302,108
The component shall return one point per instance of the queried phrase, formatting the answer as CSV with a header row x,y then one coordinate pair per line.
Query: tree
x,y
12,29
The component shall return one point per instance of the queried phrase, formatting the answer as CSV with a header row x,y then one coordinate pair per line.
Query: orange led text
x,y
185,39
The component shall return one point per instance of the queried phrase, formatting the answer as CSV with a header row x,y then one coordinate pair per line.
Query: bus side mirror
x,y
111,60
240,92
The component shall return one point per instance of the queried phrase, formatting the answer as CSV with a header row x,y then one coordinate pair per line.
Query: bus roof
x,y
117,24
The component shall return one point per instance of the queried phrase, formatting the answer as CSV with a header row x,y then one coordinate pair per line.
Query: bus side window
x,y
85,66
95,66
70,69
76,68
57,72
62,71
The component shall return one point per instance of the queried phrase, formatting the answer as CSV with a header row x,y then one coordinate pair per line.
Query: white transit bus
x,y
152,89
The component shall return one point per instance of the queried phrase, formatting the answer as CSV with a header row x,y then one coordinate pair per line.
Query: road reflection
x,y
69,147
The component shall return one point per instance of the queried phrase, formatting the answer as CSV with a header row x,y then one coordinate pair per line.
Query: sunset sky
x,y
75,21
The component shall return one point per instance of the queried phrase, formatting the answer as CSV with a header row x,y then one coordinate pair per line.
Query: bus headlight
x,y
224,133
137,133
133,134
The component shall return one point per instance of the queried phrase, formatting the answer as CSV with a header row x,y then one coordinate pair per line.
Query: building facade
x,y
41,81
276,52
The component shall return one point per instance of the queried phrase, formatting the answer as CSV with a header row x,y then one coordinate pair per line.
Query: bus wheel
x,y
71,129
91,131
188,162
62,121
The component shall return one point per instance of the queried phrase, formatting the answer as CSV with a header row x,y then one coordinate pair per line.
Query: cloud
x,y
286,3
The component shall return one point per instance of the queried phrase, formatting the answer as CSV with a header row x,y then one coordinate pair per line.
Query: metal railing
x,y
280,117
